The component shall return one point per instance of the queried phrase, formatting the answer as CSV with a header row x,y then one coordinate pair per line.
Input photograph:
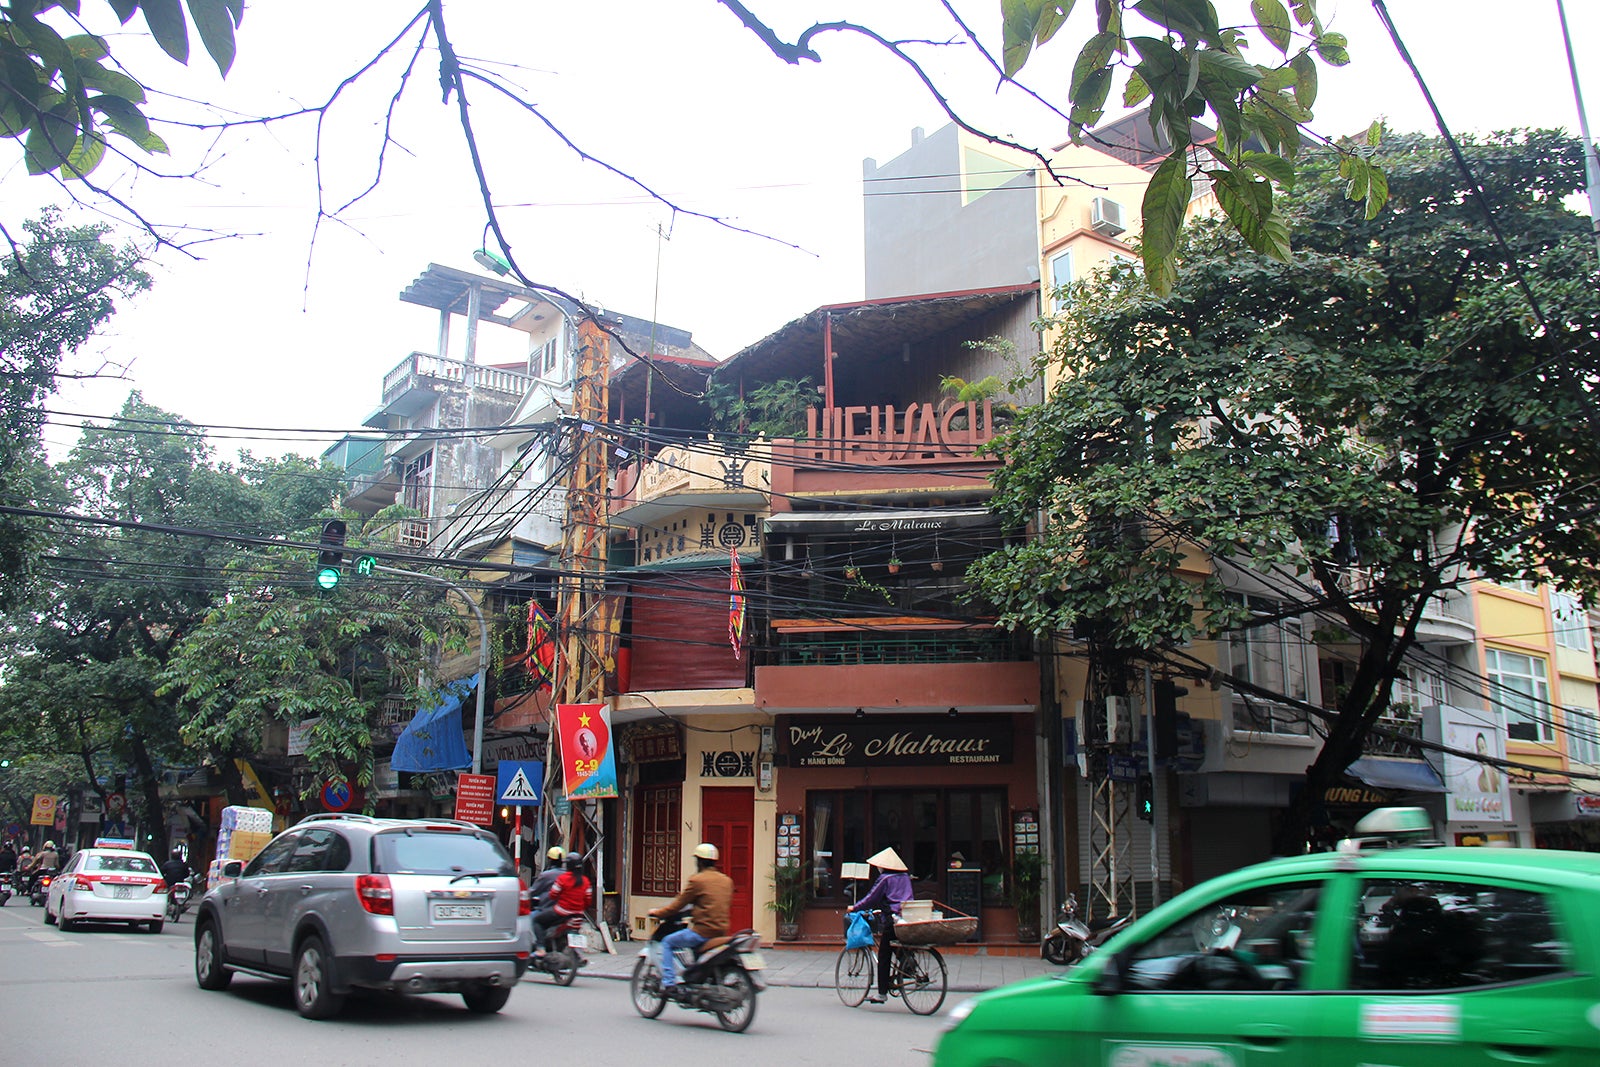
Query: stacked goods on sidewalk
x,y
244,832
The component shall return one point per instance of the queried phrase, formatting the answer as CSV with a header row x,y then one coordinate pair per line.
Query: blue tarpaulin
x,y
434,740
1410,775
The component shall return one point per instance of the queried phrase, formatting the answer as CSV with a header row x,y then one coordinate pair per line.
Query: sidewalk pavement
x,y
813,969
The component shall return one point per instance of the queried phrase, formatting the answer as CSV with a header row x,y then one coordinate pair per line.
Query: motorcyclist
x,y
175,869
46,859
711,893
8,861
547,877
570,894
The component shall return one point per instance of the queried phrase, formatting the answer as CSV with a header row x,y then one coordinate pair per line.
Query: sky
x,y
292,324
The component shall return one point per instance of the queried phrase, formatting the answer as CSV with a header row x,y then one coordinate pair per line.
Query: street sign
x,y
475,795
337,795
1124,768
517,782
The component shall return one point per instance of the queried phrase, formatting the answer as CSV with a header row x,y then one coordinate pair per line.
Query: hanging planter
x,y
937,564
852,572
894,566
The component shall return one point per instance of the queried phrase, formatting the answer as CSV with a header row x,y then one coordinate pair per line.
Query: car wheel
x,y
49,916
208,969
484,999
313,988
154,926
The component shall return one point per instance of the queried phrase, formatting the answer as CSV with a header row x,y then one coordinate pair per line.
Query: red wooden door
x,y
728,816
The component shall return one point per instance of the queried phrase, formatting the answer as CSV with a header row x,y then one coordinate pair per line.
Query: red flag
x,y
541,646
736,604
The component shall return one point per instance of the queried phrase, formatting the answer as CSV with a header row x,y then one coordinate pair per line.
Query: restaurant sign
x,y
896,741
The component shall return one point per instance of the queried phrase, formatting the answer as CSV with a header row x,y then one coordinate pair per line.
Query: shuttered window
x,y
657,845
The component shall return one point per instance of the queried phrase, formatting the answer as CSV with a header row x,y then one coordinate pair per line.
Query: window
x,y
657,847
1569,621
1060,276
1259,939
1520,684
1272,653
1583,735
120,864
271,860
319,850
438,852
1452,935
925,826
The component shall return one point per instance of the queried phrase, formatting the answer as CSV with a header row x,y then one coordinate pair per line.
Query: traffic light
x,y
1167,693
1144,798
330,562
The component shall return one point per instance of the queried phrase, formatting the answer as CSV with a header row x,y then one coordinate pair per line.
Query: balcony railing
x,y
421,368
702,472
867,647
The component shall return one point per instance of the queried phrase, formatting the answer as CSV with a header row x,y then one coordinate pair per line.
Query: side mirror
x,y
1113,977
233,868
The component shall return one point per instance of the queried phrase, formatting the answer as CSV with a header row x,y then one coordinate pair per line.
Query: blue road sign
x,y
518,782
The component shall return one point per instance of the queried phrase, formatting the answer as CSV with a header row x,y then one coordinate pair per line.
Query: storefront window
x,y
926,827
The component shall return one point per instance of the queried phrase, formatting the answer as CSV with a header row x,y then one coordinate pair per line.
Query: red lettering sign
x,y
475,798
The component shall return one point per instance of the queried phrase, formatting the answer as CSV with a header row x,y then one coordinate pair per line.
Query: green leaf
x,y
1135,91
1375,133
1276,79
165,19
1270,166
85,157
124,117
1095,55
1028,22
115,82
87,46
1193,20
215,25
1090,105
124,9
1305,86
1377,190
50,142
1166,199
1331,47
1273,19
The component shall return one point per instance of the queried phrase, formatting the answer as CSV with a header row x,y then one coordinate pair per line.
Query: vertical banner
x,y
736,603
587,765
44,810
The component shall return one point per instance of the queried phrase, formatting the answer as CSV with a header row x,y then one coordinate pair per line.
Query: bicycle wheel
x,y
853,975
920,978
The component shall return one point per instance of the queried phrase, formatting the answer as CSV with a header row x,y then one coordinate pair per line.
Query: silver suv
x,y
345,901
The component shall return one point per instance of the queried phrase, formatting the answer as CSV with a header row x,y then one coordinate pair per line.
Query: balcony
x,y
371,482
412,385
705,474
1446,618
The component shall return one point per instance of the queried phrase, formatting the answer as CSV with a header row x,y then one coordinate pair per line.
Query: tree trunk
x,y
232,781
150,790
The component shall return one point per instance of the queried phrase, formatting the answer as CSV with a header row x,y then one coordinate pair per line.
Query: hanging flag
x,y
736,603
587,765
540,655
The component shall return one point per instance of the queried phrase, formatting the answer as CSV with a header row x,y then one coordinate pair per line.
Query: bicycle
x,y
916,975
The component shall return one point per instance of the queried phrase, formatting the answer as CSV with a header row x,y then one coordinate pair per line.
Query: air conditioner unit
x,y
1105,216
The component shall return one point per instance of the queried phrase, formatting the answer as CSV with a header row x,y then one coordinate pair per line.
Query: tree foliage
x,y
1386,405
274,650
61,286
62,96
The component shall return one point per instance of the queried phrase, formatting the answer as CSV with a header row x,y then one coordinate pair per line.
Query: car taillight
x,y
374,893
524,901
158,887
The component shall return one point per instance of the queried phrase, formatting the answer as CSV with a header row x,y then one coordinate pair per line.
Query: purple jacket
x,y
891,889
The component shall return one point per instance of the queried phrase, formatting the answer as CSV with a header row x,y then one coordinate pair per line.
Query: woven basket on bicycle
x,y
945,931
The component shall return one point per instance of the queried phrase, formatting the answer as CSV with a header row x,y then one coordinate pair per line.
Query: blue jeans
x,y
685,938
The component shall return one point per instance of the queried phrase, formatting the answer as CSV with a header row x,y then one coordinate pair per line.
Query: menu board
x,y
788,840
964,893
1025,831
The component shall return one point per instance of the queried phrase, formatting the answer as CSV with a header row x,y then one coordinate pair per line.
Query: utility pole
x,y
580,666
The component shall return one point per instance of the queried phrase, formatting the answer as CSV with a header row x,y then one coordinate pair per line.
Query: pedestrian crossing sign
x,y
519,782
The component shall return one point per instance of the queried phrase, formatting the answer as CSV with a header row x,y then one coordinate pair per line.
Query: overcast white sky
x,y
267,330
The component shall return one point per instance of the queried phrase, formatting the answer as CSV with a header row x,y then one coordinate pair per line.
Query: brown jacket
x,y
711,893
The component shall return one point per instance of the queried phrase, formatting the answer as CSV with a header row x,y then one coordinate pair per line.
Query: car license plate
x,y
577,940
460,913
122,892
752,961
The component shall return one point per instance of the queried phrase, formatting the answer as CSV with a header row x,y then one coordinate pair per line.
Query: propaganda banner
x,y
44,810
588,766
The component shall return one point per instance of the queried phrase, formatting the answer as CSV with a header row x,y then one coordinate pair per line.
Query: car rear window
x,y
120,864
420,851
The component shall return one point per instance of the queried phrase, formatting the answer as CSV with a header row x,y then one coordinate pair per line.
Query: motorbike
x,y
180,895
39,885
1073,939
721,979
563,952
9,883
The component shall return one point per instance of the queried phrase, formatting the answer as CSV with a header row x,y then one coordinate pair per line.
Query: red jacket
x,y
572,893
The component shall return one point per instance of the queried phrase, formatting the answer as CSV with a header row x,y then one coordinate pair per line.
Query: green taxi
x,y
1377,955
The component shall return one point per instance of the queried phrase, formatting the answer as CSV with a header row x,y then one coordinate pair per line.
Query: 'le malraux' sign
x,y
898,742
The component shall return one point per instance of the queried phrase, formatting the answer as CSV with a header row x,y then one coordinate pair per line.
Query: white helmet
x,y
705,850
555,855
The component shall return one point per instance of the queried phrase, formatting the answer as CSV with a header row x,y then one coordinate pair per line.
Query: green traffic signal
x,y
365,565
328,577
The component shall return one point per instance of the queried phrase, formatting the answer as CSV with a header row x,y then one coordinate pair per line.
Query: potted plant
x,y
1027,871
788,897
894,564
851,572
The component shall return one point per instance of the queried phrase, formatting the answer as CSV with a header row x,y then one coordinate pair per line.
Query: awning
x,y
1408,775
907,521
434,740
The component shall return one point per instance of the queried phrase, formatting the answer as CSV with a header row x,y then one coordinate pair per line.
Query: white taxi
x,y
108,885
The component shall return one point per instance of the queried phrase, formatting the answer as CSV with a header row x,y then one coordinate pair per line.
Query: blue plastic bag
x,y
859,933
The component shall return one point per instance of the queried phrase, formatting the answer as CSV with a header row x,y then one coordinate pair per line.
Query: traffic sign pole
x,y
516,842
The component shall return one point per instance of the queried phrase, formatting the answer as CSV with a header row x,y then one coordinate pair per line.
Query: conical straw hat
x,y
888,860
